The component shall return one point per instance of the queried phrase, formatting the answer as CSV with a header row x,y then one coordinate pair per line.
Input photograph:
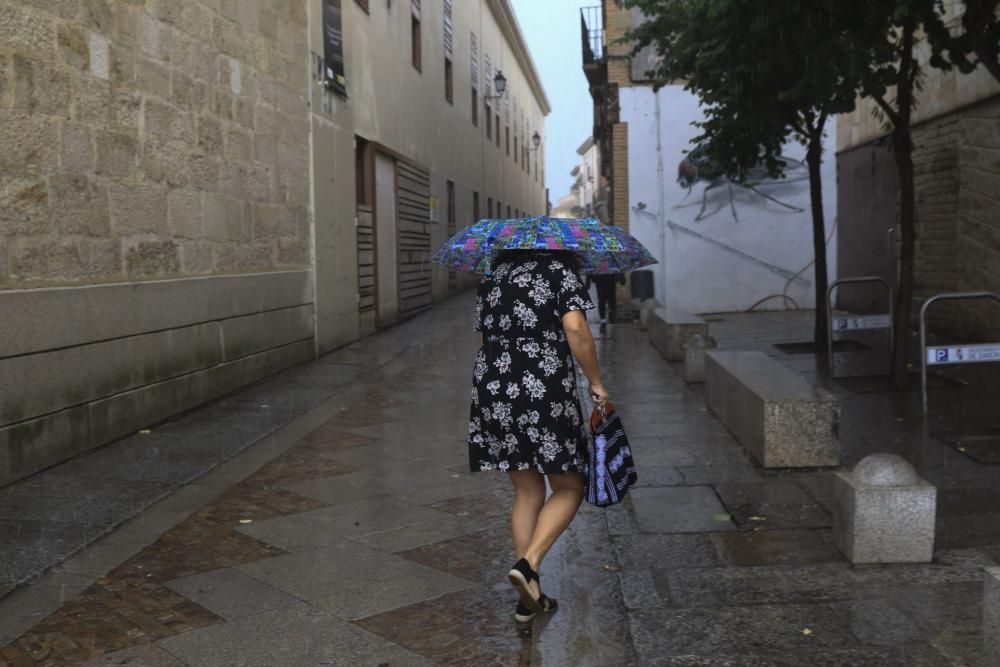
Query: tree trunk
x,y
907,253
814,159
902,144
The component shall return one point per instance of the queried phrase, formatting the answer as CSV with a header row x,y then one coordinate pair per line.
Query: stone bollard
x,y
991,616
647,307
694,357
884,513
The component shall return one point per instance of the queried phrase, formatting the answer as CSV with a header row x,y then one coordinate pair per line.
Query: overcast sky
x,y
552,29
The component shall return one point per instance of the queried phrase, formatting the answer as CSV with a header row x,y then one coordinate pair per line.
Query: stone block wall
x,y
957,163
936,180
155,233
154,139
978,237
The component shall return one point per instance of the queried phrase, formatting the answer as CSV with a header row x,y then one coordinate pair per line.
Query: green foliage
x,y
971,39
765,70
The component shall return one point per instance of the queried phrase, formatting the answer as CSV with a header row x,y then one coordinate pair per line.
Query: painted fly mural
x,y
698,166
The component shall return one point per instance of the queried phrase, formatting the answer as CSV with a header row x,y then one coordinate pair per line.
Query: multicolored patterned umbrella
x,y
603,248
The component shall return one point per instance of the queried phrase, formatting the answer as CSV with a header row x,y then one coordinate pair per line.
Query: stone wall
x,y
154,228
978,238
957,163
150,140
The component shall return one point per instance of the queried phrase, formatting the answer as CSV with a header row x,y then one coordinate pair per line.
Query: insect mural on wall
x,y
700,166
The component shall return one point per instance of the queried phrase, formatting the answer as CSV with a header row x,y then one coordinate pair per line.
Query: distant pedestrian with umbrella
x,y
525,417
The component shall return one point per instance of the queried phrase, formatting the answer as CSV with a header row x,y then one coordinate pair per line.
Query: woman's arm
x,y
581,342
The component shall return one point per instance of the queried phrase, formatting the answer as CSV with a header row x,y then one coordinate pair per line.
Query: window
x,y
499,209
415,41
449,44
489,207
474,76
449,93
508,210
363,184
498,128
507,140
475,207
489,122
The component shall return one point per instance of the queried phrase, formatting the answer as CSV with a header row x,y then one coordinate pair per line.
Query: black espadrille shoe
x,y
524,615
521,576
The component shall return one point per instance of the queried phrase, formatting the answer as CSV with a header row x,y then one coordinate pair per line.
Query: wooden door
x,y
414,236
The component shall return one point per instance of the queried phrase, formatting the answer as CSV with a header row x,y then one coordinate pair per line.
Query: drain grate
x,y
981,446
809,347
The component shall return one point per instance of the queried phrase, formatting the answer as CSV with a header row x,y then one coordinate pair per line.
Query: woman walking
x,y
525,418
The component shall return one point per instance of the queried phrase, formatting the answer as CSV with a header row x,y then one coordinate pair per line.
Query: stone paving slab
x,y
299,635
230,594
771,504
777,632
140,656
355,600
679,509
323,571
777,547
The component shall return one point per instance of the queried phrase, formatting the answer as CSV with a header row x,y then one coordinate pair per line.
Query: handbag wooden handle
x,y
596,416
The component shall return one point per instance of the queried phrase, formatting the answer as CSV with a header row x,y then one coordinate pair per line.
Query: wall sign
x,y
333,48
967,354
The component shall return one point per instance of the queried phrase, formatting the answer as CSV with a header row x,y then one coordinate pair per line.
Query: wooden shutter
x,y
449,37
474,60
366,260
415,8
414,251
487,77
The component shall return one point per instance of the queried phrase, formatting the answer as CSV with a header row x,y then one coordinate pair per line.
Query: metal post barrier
x,y
861,322
964,354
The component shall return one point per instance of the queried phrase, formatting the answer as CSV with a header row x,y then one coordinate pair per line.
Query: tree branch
x,y
886,108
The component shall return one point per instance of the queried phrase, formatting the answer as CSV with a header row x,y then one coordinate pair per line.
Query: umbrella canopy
x,y
603,248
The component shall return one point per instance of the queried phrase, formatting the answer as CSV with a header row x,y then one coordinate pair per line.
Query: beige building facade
x,y
470,157
180,210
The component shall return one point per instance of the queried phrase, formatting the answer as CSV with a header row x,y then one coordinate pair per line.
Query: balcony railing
x,y
592,33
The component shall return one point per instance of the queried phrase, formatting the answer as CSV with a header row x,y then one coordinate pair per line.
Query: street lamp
x,y
536,139
500,84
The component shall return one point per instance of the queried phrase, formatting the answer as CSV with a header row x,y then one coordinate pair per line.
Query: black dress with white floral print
x,y
525,412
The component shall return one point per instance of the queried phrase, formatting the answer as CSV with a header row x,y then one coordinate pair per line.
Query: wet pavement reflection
x,y
354,535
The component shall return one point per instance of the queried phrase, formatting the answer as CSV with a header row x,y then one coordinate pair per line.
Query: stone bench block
x,y
884,513
775,413
991,616
668,332
645,310
694,357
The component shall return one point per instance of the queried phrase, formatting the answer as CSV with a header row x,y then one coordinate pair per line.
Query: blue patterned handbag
x,y
610,468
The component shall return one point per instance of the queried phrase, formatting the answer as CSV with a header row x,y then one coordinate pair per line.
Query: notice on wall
x,y
434,204
333,48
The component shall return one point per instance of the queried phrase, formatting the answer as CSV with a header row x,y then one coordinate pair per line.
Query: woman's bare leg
x,y
556,515
529,496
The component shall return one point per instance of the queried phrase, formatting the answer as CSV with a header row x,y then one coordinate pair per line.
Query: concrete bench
x,y
670,331
778,416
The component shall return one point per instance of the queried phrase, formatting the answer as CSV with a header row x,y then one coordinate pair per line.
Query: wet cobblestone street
x,y
353,534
